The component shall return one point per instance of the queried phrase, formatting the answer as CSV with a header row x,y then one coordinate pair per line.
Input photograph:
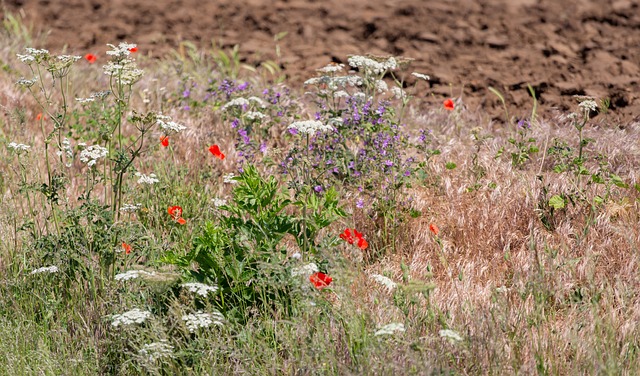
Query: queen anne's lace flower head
x,y
133,274
199,320
450,335
19,148
384,281
390,329
370,66
129,208
135,316
156,350
200,288
150,179
310,127
305,270
169,126
421,76
92,154
122,51
237,102
331,68
45,269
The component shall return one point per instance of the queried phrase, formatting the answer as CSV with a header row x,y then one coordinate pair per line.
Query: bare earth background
x,y
562,48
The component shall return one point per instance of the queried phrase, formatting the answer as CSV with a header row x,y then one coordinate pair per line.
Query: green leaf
x,y
557,202
617,181
450,165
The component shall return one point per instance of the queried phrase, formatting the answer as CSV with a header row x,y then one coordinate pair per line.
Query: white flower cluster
x,y
341,94
218,202
381,86
398,93
237,102
228,178
135,316
305,270
19,148
168,125
335,83
126,71
122,51
384,281
45,269
390,329
156,350
331,68
310,127
133,274
450,335
33,55
587,106
421,76
85,100
128,208
92,154
67,151
369,66
258,101
150,179
27,83
254,115
200,288
202,320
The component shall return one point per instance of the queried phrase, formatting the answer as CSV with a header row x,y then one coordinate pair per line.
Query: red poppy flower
x,y
164,141
39,116
433,228
133,49
176,213
126,247
362,243
215,150
91,58
320,280
448,105
346,235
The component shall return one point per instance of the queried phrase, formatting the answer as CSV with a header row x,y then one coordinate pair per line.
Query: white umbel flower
x,y
421,76
45,269
129,208
199,320
218,202
390,329
133,274
305,270
450,335
331,68
168,125
150,179
228,178
237,102
156,350
200,288
135,316
19,148
122,51
384,281
92,154
310,127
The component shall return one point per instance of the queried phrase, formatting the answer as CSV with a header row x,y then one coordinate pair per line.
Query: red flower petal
x,y
133,49
358,234
346,236
126,247
362,243
39,116
91,58
448,105
215,150
320,280
181,220
433,228
164,141
175,212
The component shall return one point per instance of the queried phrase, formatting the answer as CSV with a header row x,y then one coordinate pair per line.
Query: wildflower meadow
x,y
195,215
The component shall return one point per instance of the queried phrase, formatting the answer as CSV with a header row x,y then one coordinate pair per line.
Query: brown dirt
x,y
562,48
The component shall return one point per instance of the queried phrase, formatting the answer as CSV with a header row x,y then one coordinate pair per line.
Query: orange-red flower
x,y
91,58
126,247
449,105
360,241
39,116
176,214
133,49
346,235
433,228
320,280
164,141
215,150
